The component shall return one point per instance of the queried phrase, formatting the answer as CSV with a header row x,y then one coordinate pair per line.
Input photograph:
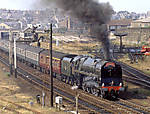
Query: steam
x,y
92,12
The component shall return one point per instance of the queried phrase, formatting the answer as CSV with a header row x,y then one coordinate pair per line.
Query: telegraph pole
x,y
10,52
51,69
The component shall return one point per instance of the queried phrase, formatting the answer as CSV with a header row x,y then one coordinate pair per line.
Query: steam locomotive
x,y
96,76
99,77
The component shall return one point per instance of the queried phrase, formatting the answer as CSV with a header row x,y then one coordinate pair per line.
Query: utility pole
x,y
15,58
76,97
10,52
51,69
49,31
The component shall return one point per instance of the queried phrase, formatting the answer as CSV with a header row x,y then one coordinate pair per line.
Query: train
x,y
97,76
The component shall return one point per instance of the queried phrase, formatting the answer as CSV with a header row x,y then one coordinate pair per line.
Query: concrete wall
x,y
135,35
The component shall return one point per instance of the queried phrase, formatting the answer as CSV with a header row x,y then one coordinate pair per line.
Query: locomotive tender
x,y
99,77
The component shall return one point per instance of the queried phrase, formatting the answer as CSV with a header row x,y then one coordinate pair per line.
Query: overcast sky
x,y
138,6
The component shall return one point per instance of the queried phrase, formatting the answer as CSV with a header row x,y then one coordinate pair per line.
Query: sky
x,y
16,4
138,6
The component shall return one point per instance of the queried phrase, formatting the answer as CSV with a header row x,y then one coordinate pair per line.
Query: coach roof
x,y
34,49
56,54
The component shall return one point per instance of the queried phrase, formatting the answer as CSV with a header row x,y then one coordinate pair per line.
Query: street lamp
x,y
77,97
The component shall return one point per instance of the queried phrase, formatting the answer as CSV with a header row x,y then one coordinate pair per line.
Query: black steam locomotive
x,y
96,76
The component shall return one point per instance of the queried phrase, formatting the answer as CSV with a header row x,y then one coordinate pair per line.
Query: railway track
x,y
65,90
15,108
140,108
134,71
66,95
98,101
135,76
5,108
122,106
143,83
96,105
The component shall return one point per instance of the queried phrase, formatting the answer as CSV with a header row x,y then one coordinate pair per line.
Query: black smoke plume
x,y
92,12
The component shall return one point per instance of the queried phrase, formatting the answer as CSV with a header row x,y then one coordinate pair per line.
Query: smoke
x,y
92,12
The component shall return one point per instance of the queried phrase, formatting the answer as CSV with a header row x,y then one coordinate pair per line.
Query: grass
x,y
144,91
142,65
7,74
76,47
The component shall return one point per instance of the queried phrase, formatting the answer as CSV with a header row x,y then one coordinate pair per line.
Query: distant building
x,y
63,23
141,23
148,14
117,24
4,26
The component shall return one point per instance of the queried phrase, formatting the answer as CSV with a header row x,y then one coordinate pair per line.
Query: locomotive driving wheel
x,y
84,87
102,93
95,91
77,82
112,94
88,89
